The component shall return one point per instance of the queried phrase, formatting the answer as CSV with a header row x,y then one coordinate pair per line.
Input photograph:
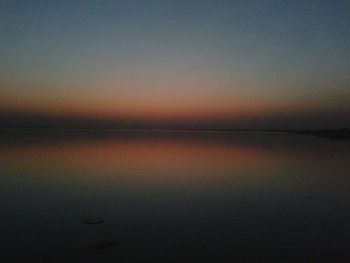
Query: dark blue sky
x,y
190,61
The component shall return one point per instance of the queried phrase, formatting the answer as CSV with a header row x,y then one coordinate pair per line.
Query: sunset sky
x,y
175,64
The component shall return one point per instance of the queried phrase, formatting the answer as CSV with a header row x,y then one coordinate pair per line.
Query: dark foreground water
x,y
173,197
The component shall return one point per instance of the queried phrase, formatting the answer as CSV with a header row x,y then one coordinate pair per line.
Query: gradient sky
x,y
176,63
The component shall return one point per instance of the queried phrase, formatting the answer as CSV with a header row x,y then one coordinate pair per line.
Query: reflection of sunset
x,y
143,158
181,158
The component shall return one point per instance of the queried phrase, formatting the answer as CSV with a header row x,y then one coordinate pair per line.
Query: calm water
x,y
173,196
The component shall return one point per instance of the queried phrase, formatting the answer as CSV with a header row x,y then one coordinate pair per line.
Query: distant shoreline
x,y
148,130
334,134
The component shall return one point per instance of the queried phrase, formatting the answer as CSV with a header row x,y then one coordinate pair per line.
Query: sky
x,y
175,64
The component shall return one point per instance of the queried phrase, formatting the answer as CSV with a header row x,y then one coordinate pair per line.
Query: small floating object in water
x,y
98,220
103,244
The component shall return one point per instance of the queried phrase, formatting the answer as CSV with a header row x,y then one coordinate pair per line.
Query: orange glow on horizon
x,y
150,110
157,104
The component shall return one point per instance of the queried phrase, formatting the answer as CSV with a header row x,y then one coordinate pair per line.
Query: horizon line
x,y
173,130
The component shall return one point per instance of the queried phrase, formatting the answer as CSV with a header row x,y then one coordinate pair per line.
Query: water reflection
x,y
193,196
